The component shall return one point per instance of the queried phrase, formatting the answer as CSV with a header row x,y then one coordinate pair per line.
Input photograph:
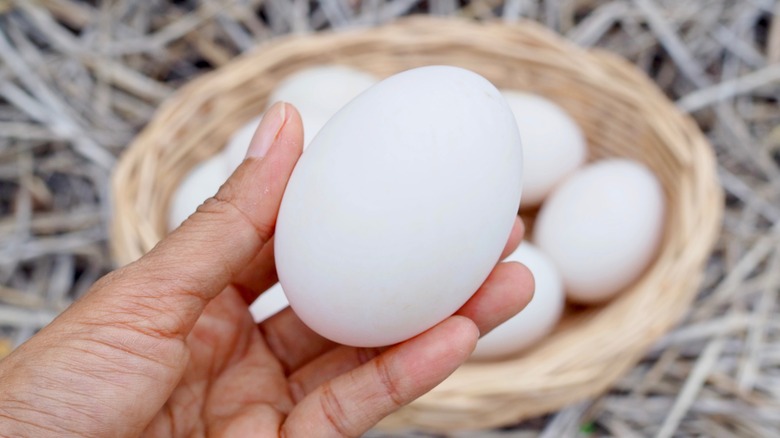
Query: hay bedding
x,y
79,79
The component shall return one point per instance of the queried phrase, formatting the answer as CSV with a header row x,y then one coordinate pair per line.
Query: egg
x,y
268,304
537,319
313,121
324,89
602,227
400,207
202,182
553,144
319,92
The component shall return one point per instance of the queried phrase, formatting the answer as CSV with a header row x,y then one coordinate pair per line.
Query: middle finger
x,y
295,344
506,292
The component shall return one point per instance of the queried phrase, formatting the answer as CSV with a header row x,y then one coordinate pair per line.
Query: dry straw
x,y
622,113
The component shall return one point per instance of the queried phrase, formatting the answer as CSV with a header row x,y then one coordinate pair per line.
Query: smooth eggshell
x,y
322,89
601,227
313,121
202,182
537,319
269,303
319,92
400,207
553,144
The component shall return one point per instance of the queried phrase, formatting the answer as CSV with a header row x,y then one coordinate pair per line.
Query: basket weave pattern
x,y
622,114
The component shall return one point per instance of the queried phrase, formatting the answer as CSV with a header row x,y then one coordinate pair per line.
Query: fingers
x,y
171,285
291,341
352,403
507,290
258,275
334,363
295,344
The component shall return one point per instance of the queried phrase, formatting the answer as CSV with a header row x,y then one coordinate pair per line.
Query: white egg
x,y
322,89
537,319
269,303
313,121
553,144
238,144
319,92
601,227
202,182
400,208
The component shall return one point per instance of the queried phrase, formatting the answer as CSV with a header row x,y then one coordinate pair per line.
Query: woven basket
x,y
622,114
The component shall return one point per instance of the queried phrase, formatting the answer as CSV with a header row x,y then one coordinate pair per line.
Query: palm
x,y
232,382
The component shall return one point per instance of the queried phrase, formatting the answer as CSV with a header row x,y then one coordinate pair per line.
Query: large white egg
x,y
601,227
319,92
313,121
202,182
553,144
537,319
400,208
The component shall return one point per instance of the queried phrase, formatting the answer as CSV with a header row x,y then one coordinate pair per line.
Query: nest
x,y
622,113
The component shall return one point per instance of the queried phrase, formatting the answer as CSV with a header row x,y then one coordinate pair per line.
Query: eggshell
x,y
601,227
400,207
553,144
319,92
269,303
313,121
323,89
202,182
537,319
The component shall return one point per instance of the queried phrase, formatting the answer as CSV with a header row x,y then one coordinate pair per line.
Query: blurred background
x,y
79,79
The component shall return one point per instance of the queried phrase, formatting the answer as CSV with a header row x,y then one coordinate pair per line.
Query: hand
x,y
166,346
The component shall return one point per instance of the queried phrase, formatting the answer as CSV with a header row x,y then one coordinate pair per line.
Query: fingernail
x,y
272,123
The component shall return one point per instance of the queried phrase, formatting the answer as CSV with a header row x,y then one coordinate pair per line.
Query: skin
x,y
166,346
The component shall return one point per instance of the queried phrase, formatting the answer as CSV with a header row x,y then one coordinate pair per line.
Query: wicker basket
x,y
622,114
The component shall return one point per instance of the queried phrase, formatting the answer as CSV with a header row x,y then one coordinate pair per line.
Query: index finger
x,y
167,289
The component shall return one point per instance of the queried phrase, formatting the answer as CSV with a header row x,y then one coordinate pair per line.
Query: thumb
x,y
175,280
121,349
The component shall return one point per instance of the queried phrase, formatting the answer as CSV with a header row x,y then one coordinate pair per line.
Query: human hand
x,y
166,346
